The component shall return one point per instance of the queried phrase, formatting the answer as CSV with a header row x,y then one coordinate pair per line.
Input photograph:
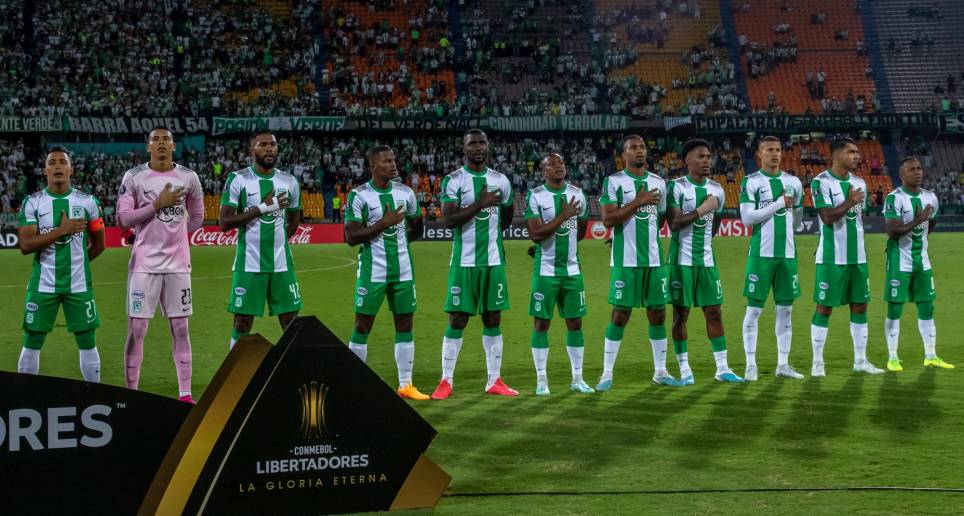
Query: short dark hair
x,y
259,132
695,143
474,130
631,137
545,157
767,138
58,148
841,143
907,160
375,151
161,127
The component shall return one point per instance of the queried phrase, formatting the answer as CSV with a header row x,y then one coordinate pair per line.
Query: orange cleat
x,y
444,390
410,392
501,389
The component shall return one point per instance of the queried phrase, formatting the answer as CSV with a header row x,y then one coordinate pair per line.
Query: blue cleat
x,y
604,385
582,387
729,376
542,389
664,378
687,379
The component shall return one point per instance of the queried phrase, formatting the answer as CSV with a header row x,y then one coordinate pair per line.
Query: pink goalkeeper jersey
x,y
161,244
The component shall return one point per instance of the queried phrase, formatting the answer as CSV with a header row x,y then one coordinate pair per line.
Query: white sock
x,y
720,357
858,333
928,332
784,331
29,361
610,351
539,357
684,363
493,357
181,394
892,334
751,330
659,354
360,350
818,337
575,360
450,355
404,359
233,342
90,365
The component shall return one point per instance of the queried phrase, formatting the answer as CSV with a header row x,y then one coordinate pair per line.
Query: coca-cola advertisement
x,y
212,235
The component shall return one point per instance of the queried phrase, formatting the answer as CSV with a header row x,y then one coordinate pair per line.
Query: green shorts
x,y
80,311
369,296
914,287
635,287
250,291
838,285
477,289
695,286
780,274
568,291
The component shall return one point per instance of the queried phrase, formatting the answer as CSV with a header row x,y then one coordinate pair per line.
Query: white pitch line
x,y
348,262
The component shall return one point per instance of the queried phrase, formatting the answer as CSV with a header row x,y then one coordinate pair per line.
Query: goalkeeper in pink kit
x,y
163,202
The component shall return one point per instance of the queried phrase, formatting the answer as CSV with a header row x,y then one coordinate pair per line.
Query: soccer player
x,y
557,214
771,202
265,204
692,212
911,214
477,205
841,276
162,202
64,229
383,216
633,204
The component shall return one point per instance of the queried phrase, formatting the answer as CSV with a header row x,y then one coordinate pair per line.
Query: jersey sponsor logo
x,y
781,211
854,211
619,284
456,290
64,240
919,229
753,277
823,285
646,211
137,294
362,291
32,307
239,291
895,282
538,296
567,227
701,222
171,213
486,213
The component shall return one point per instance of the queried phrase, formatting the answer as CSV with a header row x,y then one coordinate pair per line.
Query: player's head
x,y
769,152
381,161
160,144
634,151
553,167
698,156
845,153
911,172
264,148
475,145
57,166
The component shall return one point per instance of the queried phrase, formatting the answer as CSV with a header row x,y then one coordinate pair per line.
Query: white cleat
x,y
785,371
817,369
752,374
866,367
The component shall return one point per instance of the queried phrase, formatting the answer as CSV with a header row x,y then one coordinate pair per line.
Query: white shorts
x,y
145,290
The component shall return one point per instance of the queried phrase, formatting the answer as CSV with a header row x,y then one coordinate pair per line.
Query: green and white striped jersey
x,y
262,243
557,255
842,242
910,250
478,242
636,241
386,257
772,238
63,267
693,245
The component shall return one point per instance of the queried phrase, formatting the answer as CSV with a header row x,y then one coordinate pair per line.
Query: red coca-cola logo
x,y
302,235
209,235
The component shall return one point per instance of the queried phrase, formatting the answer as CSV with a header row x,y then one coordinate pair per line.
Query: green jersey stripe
x,y
387,202
699,237
619,242
779,221
561,262
481,226
641,226
62,255
266,240
242,233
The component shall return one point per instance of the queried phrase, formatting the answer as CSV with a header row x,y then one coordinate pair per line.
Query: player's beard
x,y
263,163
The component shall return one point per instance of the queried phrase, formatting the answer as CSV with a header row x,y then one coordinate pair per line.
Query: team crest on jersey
x,y
76,212
137,294
362,291
32,307
136,307
455,290
239,291
619,284
753,277
823,285
538,296
895,282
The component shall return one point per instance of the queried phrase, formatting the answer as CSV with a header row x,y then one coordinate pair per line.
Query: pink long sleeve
x,y
195,212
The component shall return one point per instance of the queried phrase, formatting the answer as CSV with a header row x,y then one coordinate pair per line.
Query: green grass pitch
x,y
844,430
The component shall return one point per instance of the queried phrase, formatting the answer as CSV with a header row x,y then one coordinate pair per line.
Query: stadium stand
x,y
787,46
922,52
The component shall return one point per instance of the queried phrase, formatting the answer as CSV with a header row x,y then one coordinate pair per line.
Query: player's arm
x,y
230,218
414,228
195,206
96,244
292,221
583,225
540,230
614,215
751,215
357,233
830,214
679,220
896,228
453,216
31,240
